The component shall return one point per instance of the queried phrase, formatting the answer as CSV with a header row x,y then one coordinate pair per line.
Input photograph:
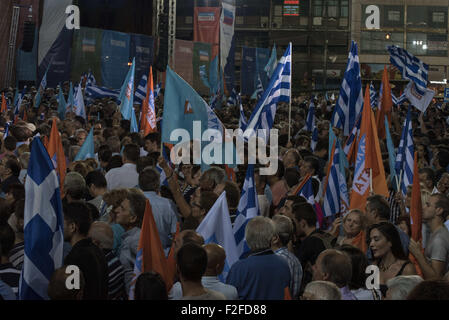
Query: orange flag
x,y
359,241
150,255
386,105
369,166
4,107
148,118
171,262
287,295
25,115
56,152
416,212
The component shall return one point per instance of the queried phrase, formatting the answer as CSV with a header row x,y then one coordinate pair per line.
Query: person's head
x,y
185,237
310,165
152,142
232,193
24,159
287,208
359,263
292,177
260,233
114,144
377,209
400,287
57,288
9,168
96,183
430,290
403,223
201,206
80,136
291,158
353,223
321,290
102,235
334,266
104,155
194,175
216,257
7,238
191,262
211,178
383,239
14,192
10,143
427,176
131,153
77,220
441,159
130,212
150,286
74,186
304,217
149,179
283,227
436,208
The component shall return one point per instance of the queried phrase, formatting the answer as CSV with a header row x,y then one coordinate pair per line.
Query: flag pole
x,y
290,92
371,179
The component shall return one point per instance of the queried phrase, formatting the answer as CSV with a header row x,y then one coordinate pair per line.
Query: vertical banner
x,y
248,70
142,49
114,58
201,57
262,57
227,44
206,27
183,60
86,50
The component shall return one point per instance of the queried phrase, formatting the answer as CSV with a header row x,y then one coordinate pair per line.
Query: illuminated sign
x,y
291,8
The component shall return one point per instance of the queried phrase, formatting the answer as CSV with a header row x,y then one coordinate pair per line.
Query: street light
x,y
388,36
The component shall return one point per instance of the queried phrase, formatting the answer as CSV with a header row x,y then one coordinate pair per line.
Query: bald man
x,y
103,237
216,257
187,236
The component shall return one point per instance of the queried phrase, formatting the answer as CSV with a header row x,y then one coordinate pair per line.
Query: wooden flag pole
x,y
371,179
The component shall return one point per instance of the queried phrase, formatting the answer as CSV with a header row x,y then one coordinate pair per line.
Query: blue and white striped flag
x,y
310,121
43,225
90,81
336,198
6,132
162,176
350,101
259,89
391,153
405,155
278,90
19,101
232,100
355,132
247,209
94,92
410,67
243,123
216,228
141,91
373,96
157,90
400,100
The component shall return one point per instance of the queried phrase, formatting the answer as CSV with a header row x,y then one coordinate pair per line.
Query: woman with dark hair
x,y
388,255
359,263
404,224
150,286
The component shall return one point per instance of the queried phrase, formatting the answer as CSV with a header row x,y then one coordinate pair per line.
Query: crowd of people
x,y
104,202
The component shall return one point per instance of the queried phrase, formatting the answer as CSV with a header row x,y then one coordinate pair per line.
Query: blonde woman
x,y
353,229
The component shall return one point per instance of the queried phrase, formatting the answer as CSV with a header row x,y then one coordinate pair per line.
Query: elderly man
x,y
321,290
400,287
263,275
74,187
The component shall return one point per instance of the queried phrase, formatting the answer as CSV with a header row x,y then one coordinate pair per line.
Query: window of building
x,y
375,42
317,8
427,17
427,44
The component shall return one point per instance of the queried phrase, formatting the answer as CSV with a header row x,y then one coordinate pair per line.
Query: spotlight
x,y
388,36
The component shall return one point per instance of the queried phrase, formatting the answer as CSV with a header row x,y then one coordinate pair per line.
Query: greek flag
x,y
336,194
372,96
400,100
162,177
310,121
243,123
216,228
19,101
141,91
248,208
93,92
353,136
90,81
350,101
7,124
411,67
405,155
278,90
232,100
259,89
43,225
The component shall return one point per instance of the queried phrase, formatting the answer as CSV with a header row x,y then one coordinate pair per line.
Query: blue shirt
x,y
6,292
261,276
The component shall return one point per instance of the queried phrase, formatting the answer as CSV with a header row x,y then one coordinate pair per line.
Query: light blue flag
x,y
87,149
391,152
41,89
272,62
203,76
62,104
127,93
43,225
70,99
214,76
216,228
78,106
134,127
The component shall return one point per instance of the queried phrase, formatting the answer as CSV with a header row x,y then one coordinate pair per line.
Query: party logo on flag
x,y
188,107
204,55
206,16
361,175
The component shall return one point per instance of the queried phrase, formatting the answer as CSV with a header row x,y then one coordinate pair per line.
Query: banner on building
x,y
142,49
114,58
201,58
206,27
227,44
183,60
86,52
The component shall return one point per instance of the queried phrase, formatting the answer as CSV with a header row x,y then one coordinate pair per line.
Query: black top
x,y
8,181
92,263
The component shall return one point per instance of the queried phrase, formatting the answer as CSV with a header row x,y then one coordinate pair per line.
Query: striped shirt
x,y
16,255
10,276
116,276
395,207
295,270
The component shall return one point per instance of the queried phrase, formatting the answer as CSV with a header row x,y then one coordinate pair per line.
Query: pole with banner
x,y
290,100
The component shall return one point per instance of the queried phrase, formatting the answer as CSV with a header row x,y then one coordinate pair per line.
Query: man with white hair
x,y
321,290
102,236
263,275
399,287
